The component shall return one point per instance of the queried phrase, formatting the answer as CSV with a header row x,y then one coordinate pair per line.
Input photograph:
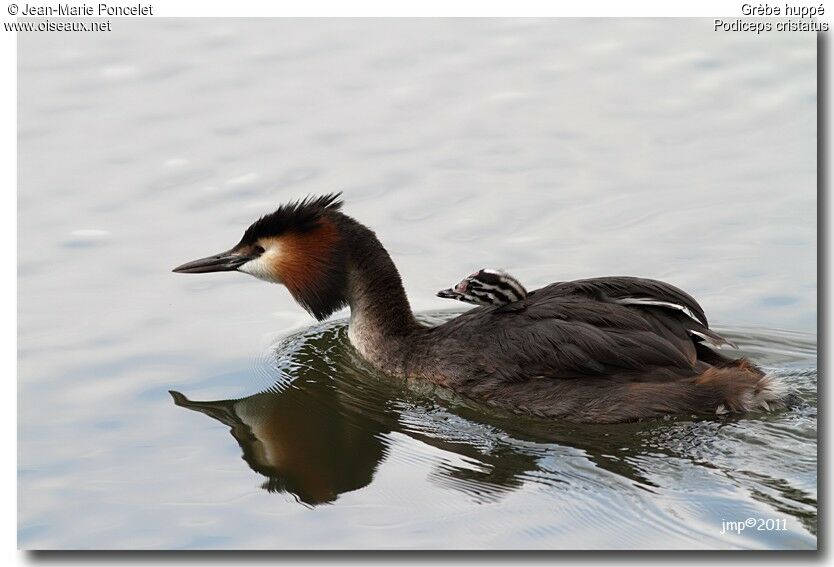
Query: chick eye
x,y
259,250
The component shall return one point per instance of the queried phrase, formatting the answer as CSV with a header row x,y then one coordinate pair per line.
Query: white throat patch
x,y
263,267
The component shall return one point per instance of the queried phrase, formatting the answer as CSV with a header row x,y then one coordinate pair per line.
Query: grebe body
x,y
598,350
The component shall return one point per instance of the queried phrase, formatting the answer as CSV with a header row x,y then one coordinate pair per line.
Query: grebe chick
x,y
599,350
486,287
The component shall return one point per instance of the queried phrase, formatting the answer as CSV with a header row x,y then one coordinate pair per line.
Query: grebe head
x,y
298,246
486,287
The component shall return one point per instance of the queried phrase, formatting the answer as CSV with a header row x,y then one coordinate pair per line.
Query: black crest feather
x,y
298,216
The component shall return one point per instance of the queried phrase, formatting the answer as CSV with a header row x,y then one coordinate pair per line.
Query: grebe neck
x,y
381,321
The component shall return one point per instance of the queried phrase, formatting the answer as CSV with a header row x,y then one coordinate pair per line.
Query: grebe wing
x,y
564,334
628,290
642,293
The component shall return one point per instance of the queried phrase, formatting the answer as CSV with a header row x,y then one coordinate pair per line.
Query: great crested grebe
x,y
601,350
487,286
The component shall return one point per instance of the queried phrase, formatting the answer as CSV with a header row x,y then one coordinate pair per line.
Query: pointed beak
x,y
447,293
224,262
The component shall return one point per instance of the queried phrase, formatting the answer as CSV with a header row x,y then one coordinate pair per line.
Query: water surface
x,y
556,149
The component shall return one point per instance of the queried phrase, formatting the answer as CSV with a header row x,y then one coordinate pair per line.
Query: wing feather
x,y
585,328
635,291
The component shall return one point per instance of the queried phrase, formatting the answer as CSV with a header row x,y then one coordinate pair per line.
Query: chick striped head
x,y
486,287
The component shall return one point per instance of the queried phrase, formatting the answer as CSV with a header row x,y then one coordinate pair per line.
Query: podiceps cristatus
x,y
602,350
487,286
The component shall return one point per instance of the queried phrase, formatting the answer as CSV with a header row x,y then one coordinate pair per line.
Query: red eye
x,y
259,250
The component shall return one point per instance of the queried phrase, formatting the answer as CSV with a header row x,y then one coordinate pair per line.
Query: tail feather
x,y
743,387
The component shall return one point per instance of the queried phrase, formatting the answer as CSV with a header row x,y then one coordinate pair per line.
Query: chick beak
x,y
224,262
447,293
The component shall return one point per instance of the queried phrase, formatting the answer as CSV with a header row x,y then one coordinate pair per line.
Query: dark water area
x,y
555,149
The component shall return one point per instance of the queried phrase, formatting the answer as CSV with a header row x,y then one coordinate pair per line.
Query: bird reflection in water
x,y
296,446
303,434
324,429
